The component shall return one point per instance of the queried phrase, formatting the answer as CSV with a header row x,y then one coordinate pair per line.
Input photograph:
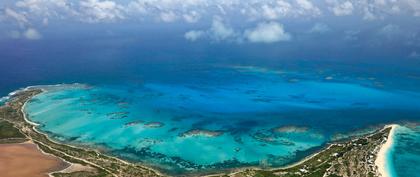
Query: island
x,y
201,132
356,156
154,125
291,129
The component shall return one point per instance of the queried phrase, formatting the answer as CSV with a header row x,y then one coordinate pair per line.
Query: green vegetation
x,y
10,134
103,165
82,174
354,158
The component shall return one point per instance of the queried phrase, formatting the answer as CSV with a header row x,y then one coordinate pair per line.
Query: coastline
x,y
47,88
72,166
285,167
296,165
382,161
82,160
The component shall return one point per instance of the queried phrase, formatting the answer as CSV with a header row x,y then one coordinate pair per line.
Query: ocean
x,y
405,151
219,117
183,109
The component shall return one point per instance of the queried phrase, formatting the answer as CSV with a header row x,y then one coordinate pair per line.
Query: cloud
x,y
320,28
279,9
98,11
342,9
414,5
192,17
218,31
32,34
391,31
276,9
267,33
19,18
47,8
168,16
221,31
136,7
308,7
193,35
217,14
305,4
191,11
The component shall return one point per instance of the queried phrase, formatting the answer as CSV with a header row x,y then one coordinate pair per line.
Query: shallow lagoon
x,y
265,117
405,152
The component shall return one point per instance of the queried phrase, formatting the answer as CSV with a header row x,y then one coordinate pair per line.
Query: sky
x,y
321,29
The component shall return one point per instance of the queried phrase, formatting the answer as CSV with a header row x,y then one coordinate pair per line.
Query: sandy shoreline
x,y
381,159
72,167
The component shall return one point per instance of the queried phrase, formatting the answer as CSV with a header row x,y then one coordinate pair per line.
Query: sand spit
x,y
381,159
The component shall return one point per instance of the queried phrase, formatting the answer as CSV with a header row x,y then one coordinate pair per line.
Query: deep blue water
x,y
243,93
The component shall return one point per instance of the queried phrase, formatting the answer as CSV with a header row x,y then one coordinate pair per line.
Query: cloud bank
x,y
255,21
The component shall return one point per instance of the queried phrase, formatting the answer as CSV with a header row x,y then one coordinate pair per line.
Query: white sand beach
x,y
381,159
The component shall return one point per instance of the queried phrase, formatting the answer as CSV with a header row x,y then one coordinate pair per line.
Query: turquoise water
x,y
260,117
405,155
3,100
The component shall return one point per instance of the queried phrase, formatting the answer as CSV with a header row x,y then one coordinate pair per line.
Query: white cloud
x,y
271,13
414,5
267,33
341,9
390,31
368,15
192,17
193,10
47,7
32,34
194,35
221,31
305,4
168,16
138,6
276,9
390,28
320,28
97,11
308,7
34,13
20,18
279,9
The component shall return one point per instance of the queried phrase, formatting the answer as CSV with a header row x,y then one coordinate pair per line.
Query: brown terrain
x,y
25,159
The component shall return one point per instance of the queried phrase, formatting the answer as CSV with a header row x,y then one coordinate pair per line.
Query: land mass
x,y
101,164
354,157
25,159
351,158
